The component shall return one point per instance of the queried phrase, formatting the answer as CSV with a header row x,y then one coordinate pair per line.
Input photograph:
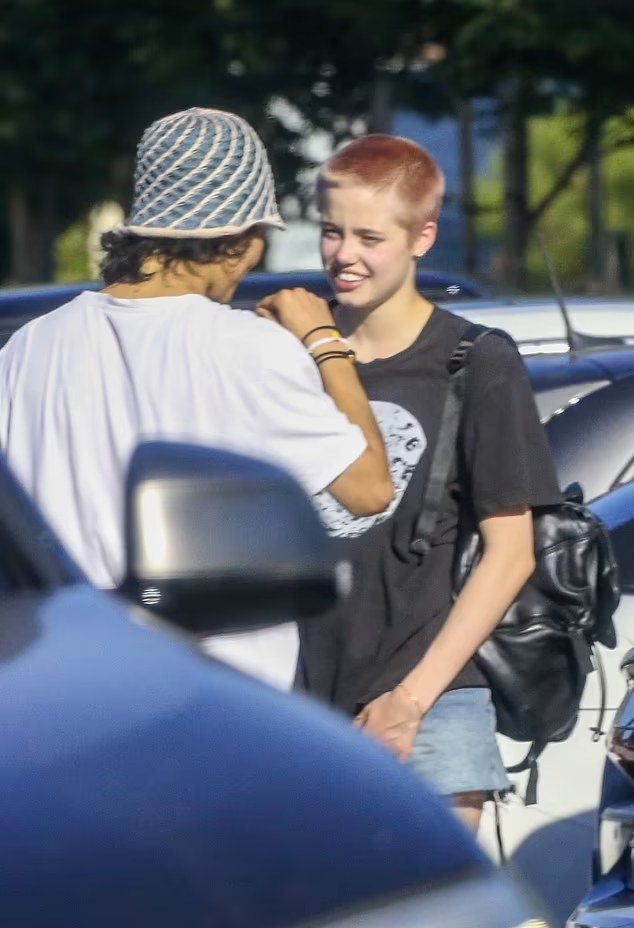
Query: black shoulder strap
x,y
446,442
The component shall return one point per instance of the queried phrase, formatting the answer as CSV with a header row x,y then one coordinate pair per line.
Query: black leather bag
x,y
539,656
537,660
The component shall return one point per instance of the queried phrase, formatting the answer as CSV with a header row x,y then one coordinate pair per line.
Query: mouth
x,y
346,281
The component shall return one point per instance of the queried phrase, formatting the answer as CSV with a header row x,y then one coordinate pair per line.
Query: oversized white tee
x,y
81,386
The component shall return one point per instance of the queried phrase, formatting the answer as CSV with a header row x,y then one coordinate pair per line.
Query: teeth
x,y
350,278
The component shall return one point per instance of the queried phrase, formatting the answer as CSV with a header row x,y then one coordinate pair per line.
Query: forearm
x,y
365,486
342,383
482,603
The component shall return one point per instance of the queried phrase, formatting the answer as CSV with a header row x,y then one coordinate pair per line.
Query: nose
x,y
346,252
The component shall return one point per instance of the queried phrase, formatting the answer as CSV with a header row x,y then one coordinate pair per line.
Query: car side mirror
x,y
219,542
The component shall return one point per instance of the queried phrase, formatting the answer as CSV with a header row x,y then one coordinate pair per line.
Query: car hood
x,y
149,784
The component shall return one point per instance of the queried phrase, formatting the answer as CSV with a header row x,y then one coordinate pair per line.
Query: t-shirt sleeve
x,y
299,424
506,457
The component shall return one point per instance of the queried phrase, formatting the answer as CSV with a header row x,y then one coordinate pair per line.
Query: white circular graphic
x,y
405,443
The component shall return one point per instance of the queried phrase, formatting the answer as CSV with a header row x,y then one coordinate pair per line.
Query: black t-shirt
x,y
369,643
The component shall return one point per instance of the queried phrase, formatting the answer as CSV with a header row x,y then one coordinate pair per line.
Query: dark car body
x,y
609,903
145,784
592,438
18,306
561,380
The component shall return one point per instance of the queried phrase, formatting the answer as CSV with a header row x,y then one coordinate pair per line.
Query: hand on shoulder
x,y
296,310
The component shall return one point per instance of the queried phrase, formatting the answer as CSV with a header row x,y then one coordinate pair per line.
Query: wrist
x,y
318,332
409,696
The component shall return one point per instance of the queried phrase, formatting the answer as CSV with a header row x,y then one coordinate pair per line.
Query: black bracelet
x,y
329,355
320,328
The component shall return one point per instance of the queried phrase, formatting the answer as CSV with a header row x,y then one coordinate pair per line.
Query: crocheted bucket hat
x,y
201,174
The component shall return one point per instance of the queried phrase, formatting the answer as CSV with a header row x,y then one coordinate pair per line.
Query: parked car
x,y
144,784
539,326
610,899
604,353
592,436
18,306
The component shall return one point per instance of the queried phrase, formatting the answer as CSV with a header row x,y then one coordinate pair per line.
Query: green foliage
x,y
80,79
549,49
565,226
71,254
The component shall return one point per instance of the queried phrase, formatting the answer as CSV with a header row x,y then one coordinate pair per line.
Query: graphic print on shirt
x,y
405,442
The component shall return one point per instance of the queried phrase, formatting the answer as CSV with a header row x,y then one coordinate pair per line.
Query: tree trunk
x,y
32,233
597,255
467,183
516,207
381,104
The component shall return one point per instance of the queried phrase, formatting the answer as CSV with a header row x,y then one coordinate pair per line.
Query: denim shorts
x,y
456,749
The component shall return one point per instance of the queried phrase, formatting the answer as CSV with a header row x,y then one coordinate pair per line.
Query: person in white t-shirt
x,y
160,354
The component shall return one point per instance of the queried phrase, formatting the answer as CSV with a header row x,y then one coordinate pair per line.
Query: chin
x,y
352,300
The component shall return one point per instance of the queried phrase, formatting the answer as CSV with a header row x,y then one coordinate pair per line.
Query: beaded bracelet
x,y
327,341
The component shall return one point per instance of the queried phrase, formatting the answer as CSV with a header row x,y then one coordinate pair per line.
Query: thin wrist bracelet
x,y
331,355
327,341
411,697
321,328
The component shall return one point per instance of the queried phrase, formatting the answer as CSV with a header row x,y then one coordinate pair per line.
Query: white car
x,y
539,327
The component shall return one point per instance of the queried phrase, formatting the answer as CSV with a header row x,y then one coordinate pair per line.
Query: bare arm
x,y
507,562
365,487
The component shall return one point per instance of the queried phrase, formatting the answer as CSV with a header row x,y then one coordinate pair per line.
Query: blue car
x,y
144,784
609,903
18,306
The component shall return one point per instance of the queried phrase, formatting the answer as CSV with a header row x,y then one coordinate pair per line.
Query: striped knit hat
x,y
201,174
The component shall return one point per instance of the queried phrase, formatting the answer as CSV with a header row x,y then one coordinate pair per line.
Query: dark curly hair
x,y
125,253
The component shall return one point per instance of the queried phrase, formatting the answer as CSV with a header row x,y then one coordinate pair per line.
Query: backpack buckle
x,y
459,357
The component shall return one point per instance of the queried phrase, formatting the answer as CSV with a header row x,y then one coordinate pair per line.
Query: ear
x,y
424,239
235,267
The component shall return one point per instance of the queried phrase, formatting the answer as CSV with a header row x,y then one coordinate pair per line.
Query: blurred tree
x,y
66,114
79,80
566,225
532,55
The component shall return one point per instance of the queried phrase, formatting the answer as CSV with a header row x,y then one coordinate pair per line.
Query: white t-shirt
x,y
81,386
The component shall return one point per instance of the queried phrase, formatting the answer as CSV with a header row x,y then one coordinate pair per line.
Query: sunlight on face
x,y
366,248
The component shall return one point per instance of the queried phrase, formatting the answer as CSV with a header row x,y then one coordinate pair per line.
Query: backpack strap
x,y
529,763
597,730
445,449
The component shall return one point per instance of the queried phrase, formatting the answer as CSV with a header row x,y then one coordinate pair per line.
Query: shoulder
x,y
496,347
494,353
495,360
62,317
272,345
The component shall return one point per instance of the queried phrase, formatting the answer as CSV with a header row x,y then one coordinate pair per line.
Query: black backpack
x,y
537,660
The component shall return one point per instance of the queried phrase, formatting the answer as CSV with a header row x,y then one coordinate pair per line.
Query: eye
x,y
371,239
329,232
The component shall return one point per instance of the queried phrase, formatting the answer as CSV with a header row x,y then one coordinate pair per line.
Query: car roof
x,y
537,325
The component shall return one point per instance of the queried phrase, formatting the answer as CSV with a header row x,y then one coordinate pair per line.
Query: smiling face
x,y
366,247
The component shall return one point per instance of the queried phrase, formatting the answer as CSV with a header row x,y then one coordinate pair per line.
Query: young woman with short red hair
x,y
398,654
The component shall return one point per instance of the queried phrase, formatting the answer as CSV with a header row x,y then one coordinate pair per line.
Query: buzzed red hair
x,y
383,161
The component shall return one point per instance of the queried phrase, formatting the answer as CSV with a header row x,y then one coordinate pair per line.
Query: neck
x,y
387,329
178,280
